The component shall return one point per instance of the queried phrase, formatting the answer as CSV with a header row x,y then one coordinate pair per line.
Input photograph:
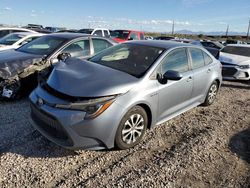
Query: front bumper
x,y
235,73
69,129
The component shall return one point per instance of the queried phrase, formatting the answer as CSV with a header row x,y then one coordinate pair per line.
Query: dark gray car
x,y
114,97
18,67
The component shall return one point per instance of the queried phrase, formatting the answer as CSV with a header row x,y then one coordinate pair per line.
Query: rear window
x,y
237,50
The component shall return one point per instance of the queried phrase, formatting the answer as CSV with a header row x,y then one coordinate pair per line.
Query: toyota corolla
x,y
111,99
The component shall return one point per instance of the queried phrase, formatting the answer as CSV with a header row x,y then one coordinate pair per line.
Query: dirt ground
x,y
204,147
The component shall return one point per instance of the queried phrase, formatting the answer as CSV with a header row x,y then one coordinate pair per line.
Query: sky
x,y
146,15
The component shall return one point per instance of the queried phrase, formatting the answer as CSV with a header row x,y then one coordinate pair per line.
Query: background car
x,y
126,35
98,32
18,67
114,97
163,38
214,51
15,40
235,60
212,44
7,30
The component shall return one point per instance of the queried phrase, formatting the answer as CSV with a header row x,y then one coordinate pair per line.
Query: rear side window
x,y
100,45
176,60
106,34
133,36
207,58
197,58
141,36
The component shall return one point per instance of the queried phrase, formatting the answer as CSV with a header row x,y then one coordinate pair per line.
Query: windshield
x,y
133,59
121,34
237,50
43,46
11,39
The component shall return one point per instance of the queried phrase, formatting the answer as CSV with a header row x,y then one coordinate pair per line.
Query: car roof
x,y
161,44
17,28
27,33
68,35
127,30
239,45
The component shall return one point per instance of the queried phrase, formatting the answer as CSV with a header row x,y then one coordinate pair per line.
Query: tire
x,y
211,94
131,128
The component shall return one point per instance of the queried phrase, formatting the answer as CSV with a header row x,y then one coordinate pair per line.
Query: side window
x,y
133,36
98,33
100,45
78,49
141,36
3,33
176,60
207,58
28,40
106,34
197,58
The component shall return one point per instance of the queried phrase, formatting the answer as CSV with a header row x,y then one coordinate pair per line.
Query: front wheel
x,y
211,95
131,128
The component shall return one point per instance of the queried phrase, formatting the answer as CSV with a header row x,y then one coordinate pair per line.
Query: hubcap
x,y
133,128
212,93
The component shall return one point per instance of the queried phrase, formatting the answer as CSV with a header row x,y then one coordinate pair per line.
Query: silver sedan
x,y
111,99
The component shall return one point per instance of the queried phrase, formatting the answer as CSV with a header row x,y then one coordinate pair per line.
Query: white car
x,y
235,60
103,32
7,30
15,40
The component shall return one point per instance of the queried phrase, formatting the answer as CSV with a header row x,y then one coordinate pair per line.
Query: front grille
x,y
228,71
50,125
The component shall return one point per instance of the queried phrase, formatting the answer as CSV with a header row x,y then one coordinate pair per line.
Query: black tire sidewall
x,y
119,143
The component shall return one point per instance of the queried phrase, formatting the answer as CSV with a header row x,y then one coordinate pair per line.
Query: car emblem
x,y
40,102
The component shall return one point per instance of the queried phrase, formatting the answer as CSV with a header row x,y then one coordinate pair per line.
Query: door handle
x,y
208,70
189,79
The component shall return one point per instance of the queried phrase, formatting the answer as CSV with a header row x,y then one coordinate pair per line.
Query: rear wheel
x,y
211,95
131,128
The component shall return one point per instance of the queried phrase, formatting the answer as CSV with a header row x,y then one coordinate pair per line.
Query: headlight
x,y
244,66
92,107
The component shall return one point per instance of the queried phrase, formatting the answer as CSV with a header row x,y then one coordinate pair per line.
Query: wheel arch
x,y
149,113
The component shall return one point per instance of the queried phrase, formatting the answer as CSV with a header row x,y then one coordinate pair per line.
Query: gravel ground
x,y
204,147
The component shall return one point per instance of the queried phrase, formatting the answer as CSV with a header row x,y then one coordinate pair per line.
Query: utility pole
x,y
248,30
173,28
227,31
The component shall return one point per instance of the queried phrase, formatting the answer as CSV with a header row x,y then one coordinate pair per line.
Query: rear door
x,y
175,95
200,61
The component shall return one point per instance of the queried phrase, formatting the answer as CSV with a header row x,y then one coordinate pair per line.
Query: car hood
x,y
13,62
79,78
234,59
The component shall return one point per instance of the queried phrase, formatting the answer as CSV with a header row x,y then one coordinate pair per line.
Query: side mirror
x,y
130,38
63,56
169,75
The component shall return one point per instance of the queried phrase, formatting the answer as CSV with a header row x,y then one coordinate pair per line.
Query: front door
x,y
175,95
